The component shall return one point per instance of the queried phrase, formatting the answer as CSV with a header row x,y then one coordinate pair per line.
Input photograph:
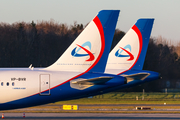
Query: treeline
x,y
42,43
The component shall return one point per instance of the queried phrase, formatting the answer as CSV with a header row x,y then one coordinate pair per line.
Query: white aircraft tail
x,y
130,52
91,47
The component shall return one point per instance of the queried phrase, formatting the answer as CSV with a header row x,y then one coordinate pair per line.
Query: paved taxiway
x,y
118,105
90,116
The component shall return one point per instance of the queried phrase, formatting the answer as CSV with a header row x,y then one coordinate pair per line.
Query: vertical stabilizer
x,y
130,52
90,49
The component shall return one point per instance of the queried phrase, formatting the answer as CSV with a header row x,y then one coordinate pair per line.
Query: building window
x,y
12,83
1,83
7,83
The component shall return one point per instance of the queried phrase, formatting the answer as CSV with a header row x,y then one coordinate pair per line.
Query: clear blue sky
x,y
165,12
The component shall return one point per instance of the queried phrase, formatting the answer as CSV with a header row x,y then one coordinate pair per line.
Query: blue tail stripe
x,y
145,27
109,25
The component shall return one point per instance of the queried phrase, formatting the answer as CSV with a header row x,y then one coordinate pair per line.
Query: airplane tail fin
x,y
90,49
130,52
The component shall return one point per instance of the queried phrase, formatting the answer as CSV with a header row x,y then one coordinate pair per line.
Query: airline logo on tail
x,y
118,53
75,51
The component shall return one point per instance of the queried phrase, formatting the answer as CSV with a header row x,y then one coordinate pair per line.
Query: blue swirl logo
x,y
119,52
75,51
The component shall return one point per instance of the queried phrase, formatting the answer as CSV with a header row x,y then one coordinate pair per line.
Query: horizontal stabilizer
x,y
138,76
82,83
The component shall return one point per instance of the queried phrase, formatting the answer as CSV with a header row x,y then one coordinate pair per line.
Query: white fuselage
x,y
20,83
